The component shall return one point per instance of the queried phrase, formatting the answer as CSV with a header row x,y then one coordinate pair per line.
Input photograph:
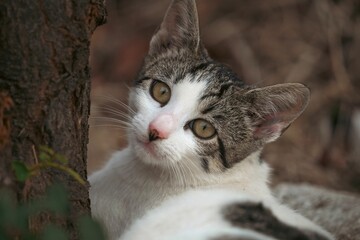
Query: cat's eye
x,y
160,92
202,128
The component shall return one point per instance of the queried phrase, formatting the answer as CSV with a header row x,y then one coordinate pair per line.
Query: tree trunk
x,y
44,91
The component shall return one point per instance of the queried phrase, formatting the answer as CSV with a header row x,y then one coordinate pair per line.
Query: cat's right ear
x,y
272,109
179,29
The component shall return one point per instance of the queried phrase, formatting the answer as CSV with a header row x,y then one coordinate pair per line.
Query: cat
x,y
219,214
193,124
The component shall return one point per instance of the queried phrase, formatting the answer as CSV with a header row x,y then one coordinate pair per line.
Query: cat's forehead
x,y
213,87
175,68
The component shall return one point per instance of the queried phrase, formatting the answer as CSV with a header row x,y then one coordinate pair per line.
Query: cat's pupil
x,y
163,91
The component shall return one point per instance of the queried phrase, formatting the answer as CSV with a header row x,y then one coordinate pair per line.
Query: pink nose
x,y
161,127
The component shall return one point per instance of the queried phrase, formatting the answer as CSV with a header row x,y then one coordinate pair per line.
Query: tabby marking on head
x,y
196,87
194,124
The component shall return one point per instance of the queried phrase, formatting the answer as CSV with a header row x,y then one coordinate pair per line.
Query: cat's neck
x,y
250,175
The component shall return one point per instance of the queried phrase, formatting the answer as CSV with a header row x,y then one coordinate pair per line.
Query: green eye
x,y
160,92
202,128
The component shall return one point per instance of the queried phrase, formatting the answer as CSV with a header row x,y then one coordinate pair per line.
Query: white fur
x,y
183,107
135,181
198,214
126,188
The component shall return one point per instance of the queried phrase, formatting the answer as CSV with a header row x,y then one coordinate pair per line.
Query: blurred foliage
x,y
48,159
15,217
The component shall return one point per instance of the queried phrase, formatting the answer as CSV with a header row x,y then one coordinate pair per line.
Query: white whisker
x,y
113,120
109,125
191,172
190,169
115,112
116,101
172,174
181,170
179,178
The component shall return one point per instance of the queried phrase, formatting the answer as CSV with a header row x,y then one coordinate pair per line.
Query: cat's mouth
x,y
148,146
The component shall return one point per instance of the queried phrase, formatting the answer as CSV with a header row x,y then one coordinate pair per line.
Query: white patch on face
x,y
180,145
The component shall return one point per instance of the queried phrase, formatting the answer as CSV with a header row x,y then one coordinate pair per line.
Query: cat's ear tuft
x,y
179,29
274,108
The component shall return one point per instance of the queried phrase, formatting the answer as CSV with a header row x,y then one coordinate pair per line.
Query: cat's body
x,y
221,214
192,125
139,187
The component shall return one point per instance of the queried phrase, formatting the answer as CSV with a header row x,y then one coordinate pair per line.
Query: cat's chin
x,y
149,153
150,159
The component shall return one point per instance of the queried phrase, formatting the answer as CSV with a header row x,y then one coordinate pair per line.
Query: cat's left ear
x,y
272,109
179,29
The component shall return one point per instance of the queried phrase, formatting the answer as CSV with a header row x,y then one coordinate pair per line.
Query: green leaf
x,y
61,158
22,218
52,232
28,236
57,199
12,215
35,207
3,235
47,150
89,229
7,209
21,171
44,157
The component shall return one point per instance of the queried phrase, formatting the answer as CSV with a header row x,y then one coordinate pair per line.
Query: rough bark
x,y
44,90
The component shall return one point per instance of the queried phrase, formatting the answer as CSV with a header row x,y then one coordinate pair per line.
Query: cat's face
x,y
180,114
193,111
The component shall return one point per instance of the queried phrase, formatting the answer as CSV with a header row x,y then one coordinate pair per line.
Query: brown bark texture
x,y
44,91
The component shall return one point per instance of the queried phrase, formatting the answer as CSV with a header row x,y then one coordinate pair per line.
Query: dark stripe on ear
x,y
258,218
205,164
222,153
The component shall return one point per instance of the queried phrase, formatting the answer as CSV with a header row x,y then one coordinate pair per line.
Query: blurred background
x,y
314,42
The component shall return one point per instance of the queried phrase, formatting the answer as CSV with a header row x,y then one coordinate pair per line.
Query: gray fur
x,y
259,218
242,115
245,118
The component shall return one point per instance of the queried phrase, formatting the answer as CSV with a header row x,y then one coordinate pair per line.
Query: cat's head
x,y
194,111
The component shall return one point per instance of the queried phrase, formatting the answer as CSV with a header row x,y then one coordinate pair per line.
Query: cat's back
x,y
222,214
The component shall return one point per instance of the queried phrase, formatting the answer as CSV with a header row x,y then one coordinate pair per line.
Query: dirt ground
x,y
314,42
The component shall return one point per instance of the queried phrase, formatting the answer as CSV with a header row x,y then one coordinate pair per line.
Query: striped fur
x,y
245,118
